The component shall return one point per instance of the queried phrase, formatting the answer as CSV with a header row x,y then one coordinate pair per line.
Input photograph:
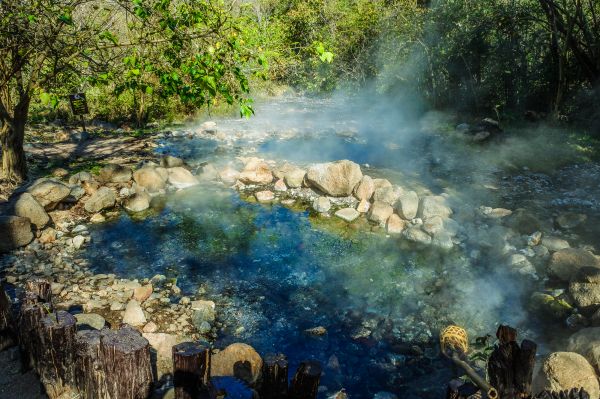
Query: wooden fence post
x,y
56,353
305,383
274,377
191,370
7,337
125,359
89,377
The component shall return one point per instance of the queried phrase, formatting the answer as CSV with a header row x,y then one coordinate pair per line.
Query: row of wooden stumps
x,y
510,372
116,364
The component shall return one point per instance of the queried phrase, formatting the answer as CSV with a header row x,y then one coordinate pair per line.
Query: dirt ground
x,y
15,384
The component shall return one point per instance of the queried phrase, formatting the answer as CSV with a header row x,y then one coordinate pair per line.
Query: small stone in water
x,y
78,241
319,331
97,218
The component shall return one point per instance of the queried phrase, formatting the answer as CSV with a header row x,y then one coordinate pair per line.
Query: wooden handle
x,y
475,377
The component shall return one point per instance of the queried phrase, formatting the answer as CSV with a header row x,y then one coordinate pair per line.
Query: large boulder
x,y
163,344
586,342
431,205
561,371
101,199
237,360
337,179
389,195
138,202
294,176
49,193
16,232
365,188
408,205
566,262
113,173
380,212
180,177
27,206
256,171
150,178
169,161
585,287
554,243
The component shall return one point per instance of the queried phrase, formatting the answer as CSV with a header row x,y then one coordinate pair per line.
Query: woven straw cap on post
x,y
454,339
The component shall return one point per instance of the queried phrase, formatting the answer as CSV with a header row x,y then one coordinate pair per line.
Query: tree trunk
x,y
12,136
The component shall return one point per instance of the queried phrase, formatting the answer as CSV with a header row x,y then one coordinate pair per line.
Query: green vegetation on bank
x,y
142,60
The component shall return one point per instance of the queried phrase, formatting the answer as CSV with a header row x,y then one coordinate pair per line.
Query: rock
x,y
169,161
163,344
561,371
496,213
534,239
97,218
60,173
181,178
431,206
113,173
116,306
381,183
337,179
49,193
365,188
27,206
16,232
433,225
280,185
90,321
586,342
585,287
80,177
442,240
363,206
415,234
380,212
150,327
566,262
102,199
523,222
238,360
389,195
48,236
264,196
77,192
557,308
138,202
347,214
322,204
203,312
554,243
317,331
134,315
293,176
56,288
408,205
208,172
256,171
150,178
395,225
228,175
142,293
78,241
570,220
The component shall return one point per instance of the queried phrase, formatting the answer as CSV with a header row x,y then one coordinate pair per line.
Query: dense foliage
x,y
155,59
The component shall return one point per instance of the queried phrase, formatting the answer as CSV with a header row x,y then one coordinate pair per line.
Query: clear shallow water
x,y
272,272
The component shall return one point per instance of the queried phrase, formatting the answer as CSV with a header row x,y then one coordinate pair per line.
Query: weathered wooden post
x,y
274,377
30,319
89,377
510,366
125,360
56,353
191,370
6,321
41,288
305,383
